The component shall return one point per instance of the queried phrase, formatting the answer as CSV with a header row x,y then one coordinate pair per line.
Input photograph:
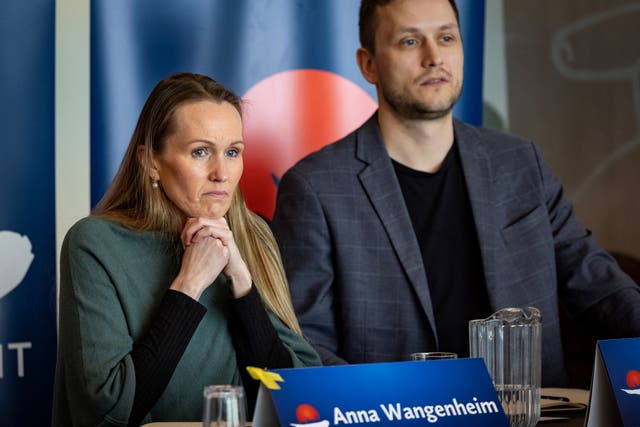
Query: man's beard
x,y
413,109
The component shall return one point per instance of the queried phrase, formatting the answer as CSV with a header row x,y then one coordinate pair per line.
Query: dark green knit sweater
x,y
112,284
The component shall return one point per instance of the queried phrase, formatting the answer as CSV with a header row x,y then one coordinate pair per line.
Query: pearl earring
x,y
154,184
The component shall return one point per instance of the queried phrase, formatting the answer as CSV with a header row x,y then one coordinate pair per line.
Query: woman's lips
x,y
216,194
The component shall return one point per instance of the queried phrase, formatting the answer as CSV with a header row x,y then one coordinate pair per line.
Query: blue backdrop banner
x,y
27,213
292,61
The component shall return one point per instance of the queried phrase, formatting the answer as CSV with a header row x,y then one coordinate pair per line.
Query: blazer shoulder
x,y
494,140
505,153
336,155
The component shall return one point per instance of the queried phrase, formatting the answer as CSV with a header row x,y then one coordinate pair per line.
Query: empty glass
x,y
224,406
509,341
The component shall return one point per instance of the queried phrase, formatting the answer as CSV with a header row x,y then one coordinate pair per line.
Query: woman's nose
x,y
218,171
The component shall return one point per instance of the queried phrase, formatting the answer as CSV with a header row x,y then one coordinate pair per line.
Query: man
x,y
396,236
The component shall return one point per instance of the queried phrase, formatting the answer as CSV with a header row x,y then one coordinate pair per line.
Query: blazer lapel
x,y
381,185
476,167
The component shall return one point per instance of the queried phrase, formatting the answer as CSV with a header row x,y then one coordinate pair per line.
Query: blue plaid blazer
x,y
355,270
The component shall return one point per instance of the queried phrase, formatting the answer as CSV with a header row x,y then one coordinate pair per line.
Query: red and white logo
x,y
633,382
308,416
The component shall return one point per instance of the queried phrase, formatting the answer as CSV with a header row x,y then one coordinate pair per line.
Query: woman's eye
x,y
232,152
199,152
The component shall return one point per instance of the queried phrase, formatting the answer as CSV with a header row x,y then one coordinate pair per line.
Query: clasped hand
x,y
209,249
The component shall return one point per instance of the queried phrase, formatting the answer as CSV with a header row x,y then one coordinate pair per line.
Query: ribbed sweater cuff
x,y
156,355
252,323
256,341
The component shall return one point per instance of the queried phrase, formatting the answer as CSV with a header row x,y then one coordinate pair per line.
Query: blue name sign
x,y
615,386
456,392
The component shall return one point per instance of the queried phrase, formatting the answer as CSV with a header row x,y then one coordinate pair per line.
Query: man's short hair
x,y
368,21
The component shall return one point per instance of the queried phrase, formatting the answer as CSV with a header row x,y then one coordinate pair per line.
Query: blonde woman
x,y
171,284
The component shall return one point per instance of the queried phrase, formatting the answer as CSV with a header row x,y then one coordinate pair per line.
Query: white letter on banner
x,y
338,416
408,413
489,407
20,354
460,409
430,417
418,411
391,412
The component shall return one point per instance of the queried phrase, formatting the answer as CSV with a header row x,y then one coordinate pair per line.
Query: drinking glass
x,y
509,341
433,355
224,406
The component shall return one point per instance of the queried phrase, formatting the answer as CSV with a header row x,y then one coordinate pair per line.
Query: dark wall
x,y
571,67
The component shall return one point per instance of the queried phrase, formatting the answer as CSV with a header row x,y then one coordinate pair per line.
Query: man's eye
x,y
410,42
447,39
199,152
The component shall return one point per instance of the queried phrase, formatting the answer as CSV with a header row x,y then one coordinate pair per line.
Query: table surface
x,y
574,420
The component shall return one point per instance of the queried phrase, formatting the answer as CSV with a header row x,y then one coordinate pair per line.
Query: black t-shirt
x,y
440,211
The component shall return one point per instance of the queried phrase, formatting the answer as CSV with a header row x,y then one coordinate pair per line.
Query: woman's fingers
x,y
196,228
202,262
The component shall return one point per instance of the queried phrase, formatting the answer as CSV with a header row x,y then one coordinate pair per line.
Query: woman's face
x,y
201,163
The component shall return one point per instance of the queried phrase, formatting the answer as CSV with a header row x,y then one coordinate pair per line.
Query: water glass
x,y
224,406
509,341
433,355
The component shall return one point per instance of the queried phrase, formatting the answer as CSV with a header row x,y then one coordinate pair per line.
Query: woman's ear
x,y
366,65
143,158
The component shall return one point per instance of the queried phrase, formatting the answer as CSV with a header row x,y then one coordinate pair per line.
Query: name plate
x,y
455,392
615,386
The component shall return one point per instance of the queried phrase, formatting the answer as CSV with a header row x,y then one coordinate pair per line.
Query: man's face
x,y
418,63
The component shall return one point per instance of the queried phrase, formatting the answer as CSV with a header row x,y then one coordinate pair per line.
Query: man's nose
x,y
431,54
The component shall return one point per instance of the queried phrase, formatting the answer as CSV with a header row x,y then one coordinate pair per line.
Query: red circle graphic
x,y
289,115
306,413
633,379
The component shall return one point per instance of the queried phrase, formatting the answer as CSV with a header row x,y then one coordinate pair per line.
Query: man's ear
x,y
151,166
366,65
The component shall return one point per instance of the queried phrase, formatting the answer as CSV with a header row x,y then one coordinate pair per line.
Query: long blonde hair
x,y
132,201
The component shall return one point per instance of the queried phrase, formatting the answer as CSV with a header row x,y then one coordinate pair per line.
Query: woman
x,y
162,287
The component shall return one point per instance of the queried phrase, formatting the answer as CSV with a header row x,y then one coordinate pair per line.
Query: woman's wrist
x,y
185,286
240,286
